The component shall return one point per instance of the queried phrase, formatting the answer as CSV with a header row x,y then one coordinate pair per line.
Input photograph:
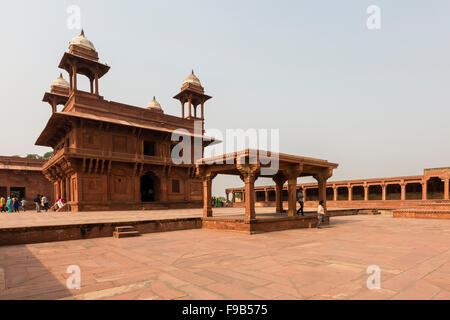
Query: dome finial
x,y
192,78
154,105
60,75
82,33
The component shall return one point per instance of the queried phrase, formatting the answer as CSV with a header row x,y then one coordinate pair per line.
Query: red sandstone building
x,y
23,179
431,189
113,156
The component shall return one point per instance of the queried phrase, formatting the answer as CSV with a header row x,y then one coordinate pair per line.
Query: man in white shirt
x,y
320,213
45,203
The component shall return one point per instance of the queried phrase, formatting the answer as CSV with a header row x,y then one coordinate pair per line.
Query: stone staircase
x,y
370,212
125,232
154,206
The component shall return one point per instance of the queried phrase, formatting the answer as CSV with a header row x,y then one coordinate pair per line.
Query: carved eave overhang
x,y
53,131
58,169
196,94
56,98
84,66
56,129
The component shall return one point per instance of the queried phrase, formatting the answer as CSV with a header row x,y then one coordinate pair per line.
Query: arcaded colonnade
x,y
433,185
248,165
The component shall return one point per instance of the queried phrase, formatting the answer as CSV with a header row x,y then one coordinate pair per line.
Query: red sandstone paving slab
x,y
232,292
343,291
165,291
286,290
314,288
367,294
266,293
200,293
439,279
263,275
418,290
191,277
442,295
243,278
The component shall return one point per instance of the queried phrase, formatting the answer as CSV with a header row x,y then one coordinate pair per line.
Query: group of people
x,y
320,208
217,202
12,204
42,203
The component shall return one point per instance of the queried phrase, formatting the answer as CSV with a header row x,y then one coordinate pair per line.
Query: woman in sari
x,y
9,204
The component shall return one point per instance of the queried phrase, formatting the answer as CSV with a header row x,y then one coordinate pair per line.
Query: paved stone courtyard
x,y
328,263
50,218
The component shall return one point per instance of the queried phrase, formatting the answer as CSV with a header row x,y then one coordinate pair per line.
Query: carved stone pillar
x,y
366,193
249,175
403,191
279,180
446,188
383,192
322,184
207,190
424,190
292,175
335,194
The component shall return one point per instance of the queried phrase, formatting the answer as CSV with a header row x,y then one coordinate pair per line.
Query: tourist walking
x,y
37,201
9,204
60,202
16,204
320,213
44,201
2,204
300,197
24,204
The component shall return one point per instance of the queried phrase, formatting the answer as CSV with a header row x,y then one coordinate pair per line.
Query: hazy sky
x,y
374,101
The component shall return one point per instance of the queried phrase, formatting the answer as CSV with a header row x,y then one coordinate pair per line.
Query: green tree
x,y
33,156
48,155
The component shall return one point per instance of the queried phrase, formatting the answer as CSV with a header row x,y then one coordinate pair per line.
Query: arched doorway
x,y
149,188
435,188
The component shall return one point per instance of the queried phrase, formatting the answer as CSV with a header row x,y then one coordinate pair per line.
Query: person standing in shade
x,y
9,204
24,204
37,201
16,204
44,201
300,197
320,213
2,204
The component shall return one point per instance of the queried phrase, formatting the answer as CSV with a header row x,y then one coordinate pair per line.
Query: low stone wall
x,y
421,214
361,204
338,213
262,225
11,236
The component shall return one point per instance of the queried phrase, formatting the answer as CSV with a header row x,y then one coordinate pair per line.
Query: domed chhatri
x,y
82,41
192,79
60,82
154,105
